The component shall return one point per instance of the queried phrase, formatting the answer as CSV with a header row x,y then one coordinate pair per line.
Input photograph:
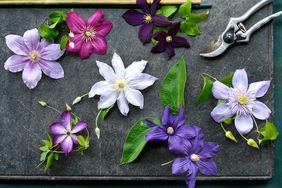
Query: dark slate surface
x,y
23,123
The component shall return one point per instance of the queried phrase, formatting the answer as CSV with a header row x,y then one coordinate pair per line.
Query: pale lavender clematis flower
x,y
241,101
63,132
32,57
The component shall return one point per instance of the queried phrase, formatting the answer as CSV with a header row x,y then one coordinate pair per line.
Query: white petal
x,y
259,89
244,124
101,87
122,104
134,97
107,100
220,91
260,110
135,68
142,81
221,113
106,71
240,80
118,65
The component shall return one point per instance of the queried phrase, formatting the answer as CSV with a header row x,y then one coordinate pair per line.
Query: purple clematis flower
x,y
32,57
63,132
147,19
241,101
173,129
197,158
88,37
168,41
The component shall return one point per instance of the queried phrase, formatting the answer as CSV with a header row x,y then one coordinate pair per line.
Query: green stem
x,y
75,115
243,136
53,108
211,77
97,118
167,163
257,128
221,124
84,95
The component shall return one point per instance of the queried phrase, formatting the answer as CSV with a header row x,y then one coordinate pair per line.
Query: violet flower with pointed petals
x,y
197,158
63,132
168,41
32,57
173,129
241,101
148,18
88,37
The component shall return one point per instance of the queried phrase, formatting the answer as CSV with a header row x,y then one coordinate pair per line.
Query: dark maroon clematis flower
x,y
147,19
168,41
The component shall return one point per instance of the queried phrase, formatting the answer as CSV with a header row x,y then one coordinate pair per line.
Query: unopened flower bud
x,y
229,135
71,35
77,100
68,107
42,103
252,143
71,44
97,131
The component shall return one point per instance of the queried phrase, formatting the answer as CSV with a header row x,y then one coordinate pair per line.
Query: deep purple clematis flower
x,y
241,101
168,41
197,158
63,132
88,37
173,129
148,18
32,57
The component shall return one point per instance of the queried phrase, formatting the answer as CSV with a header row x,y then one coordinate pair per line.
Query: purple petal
x,y
207,167
160,47
145,32
144,5
66,120
167,118
178,145
99,45
154,6
86,50
180,118
220,91
210,149
221,112
170,50
174,29
52,52
31,75
244,124
181,165
133,17
157,134
198,141
81,125
95,18
161,20
104,28
191,177
16,44
57,139
260,110
75,23
32,39
150,123
67,145
16,63
76,41
74,139
259,89
240,80
52,69
180,42
185,131
43,44
57,129
160,36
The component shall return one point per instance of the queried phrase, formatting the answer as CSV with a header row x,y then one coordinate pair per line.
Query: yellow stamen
x,y
168,39
120,85
243,99
34,56
170,130
148,18
195,157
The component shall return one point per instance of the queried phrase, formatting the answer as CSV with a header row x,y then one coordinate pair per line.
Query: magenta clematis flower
x,y
197,158
32,57
168,41
88,37
147,19
63,132
241,101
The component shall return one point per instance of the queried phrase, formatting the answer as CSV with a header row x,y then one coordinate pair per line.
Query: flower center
x,y
170,130
34,56
148,18
89,34
195,157
120,85
168,39
68,133
242,99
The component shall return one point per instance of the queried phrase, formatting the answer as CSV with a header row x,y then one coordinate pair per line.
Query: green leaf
x,y
44,148
229,121
104,112
190,28
74,120
83,142
47,143
135,141
227,80
185,9
197,18
206,91
50,160
269,132
167,10
64,41
173,87
47,33
56,156
58,16
43,155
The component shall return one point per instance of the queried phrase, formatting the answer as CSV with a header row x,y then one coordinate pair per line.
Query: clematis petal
x,y
118,65
81,125
32,39
180,42
107,100
74,139
57,129
210,149
66,120
178,145
181,165
52,52
104,28
154,6
135,69
191,177
180,118
43,44
145,32
95,18
134,97
107,72
207,167
240,80
161,20
185,131
74,44
244,124
86,50
101,87
122,104
142,81
52,69
198,141
170,50
150,123
75,23
16,44
167,118
174,29
67,145
260,110
31,75
220,91
159,48
157,134
221,112
57,139
259,89
99,45
133,17
16,63
144,5
160,36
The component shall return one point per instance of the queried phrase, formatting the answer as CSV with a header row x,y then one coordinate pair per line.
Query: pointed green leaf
x,y
190,28
229,121
227,80
64,41
74,120
50,160
167,10
104,112
206,91
47,33
43,155
185,9
269,132
44,148
197,18
58,16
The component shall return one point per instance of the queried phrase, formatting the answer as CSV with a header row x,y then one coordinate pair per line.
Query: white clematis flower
x,y
122,84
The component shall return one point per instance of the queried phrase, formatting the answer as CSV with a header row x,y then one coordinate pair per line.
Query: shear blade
x,y
215,48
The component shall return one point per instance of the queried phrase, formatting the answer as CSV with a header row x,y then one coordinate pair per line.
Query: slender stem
x,y
211,77
84,95
257,128
75,115
243,136
97,118
221,124
53,108
167,163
